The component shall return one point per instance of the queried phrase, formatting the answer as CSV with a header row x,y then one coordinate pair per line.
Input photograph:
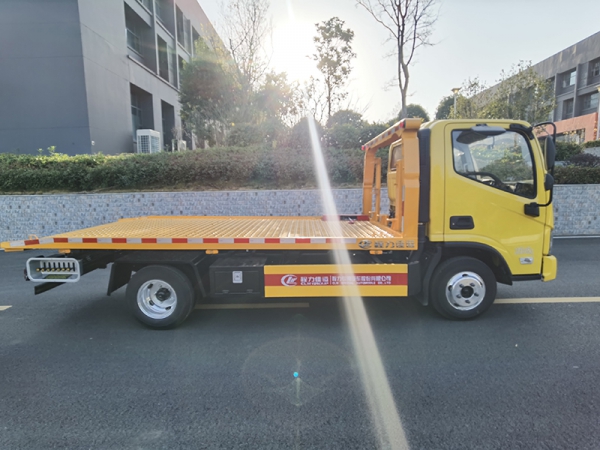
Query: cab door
x,y
491,174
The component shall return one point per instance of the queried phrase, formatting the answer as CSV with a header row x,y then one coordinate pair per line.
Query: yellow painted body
x,y
223,233
499,217
403,179
500,221
367,280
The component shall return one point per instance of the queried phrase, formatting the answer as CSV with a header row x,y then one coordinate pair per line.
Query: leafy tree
x,y
345,117
521,94
208,93
413,110
299,137
444,109
409,24
277,99
471,101
344,129
334,56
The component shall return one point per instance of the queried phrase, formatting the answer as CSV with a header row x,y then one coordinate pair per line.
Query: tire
x,y
462,288
160,296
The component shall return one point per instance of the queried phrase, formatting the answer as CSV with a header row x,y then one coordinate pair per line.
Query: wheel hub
x,y
156,299
465,291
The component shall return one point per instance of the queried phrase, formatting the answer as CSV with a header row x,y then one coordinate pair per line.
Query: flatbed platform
x,y
223,233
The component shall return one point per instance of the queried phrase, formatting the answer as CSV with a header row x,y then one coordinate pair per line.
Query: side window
x,y
396,150
503,162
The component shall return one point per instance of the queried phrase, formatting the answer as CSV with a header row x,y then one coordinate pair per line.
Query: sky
x,y
472,38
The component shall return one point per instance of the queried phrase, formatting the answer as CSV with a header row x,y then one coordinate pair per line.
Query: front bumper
x,y
549,268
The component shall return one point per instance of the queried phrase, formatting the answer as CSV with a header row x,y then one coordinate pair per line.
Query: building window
x,y
136,113
591,101
568,79
179,18
180,64
184,27
595,68
163,59
162,12
141,110
195,38
168,125
147,4
172,62
567,110
133,35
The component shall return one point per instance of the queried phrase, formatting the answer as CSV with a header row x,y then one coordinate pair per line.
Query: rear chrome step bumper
x,y
53,270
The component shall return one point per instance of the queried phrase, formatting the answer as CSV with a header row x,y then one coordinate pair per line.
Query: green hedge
x,y
256,167
221,168
591,144
577,175
566,150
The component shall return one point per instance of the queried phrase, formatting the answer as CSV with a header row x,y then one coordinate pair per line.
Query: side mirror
x,y
550,154
548,182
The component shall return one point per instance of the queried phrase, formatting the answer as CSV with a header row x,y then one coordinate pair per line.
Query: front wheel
x,y
160,296
462,288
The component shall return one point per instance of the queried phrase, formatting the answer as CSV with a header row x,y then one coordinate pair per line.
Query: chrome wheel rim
x,y
156,299
465,291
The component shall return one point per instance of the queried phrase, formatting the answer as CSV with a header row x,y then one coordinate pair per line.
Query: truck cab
x,y
484,195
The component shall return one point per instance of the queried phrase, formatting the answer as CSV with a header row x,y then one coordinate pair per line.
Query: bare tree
x,y
246,27
410,24
314,100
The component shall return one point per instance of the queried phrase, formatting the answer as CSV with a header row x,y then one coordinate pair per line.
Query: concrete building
x,y
83,75
575,73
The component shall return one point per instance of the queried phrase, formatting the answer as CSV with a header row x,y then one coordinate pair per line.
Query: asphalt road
x,y
77,371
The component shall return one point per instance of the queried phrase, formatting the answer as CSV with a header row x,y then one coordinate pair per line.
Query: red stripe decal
x,y
272,241
336,279
180,241
148,240
241,241
302,240
211,240
32,242
90,240
60,240
119,240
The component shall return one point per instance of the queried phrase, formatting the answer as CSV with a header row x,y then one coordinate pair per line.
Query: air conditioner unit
x,y
148,141
178,146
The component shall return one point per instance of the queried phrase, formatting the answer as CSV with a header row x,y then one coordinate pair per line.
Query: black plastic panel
x,y
238,275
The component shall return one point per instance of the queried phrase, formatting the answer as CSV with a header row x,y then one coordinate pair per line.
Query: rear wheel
x,y
462,288
160,296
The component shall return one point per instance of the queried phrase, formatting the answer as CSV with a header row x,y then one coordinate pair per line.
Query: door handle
x,y
461,223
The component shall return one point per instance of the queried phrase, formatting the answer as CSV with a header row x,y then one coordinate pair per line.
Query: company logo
x,y
289,280
364,244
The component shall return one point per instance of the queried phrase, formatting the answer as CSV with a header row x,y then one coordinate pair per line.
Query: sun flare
x,y
292,47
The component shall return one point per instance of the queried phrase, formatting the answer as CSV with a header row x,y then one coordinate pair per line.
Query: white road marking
x,y
516,301
253,305
576,237
4,308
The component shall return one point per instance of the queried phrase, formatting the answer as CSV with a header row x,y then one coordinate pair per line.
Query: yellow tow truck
x,y
470,207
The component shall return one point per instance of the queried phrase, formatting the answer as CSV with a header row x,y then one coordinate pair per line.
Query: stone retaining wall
x,y
577,208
